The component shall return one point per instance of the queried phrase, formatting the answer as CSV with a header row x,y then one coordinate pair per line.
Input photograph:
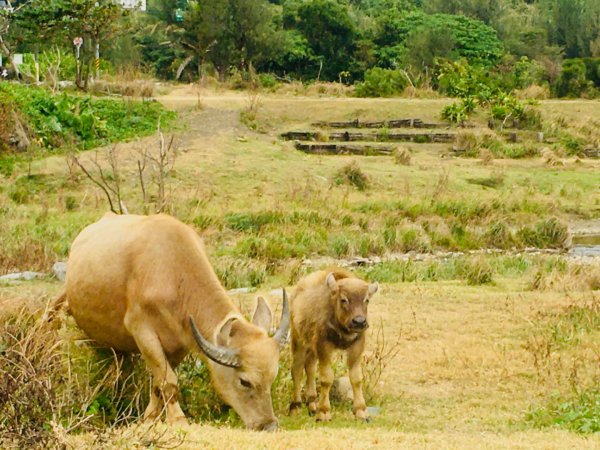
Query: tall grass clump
x,y
402,155
548,233
477,271
50,387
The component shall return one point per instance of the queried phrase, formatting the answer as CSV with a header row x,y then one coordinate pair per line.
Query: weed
x,y
579,412
494,181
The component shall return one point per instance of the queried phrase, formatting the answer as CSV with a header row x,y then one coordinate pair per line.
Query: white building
x,y
134,4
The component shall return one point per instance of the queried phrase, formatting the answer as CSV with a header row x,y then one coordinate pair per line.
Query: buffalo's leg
x,y
310,366
356,379
299,355
164,392
326,380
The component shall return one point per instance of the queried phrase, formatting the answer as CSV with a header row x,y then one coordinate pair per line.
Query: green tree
x,y
226,33
572,81
331,34
572,24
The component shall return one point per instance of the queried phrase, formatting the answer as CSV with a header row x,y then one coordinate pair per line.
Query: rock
x,y
373,410
277,292
243,290
18,276
341,390
59,269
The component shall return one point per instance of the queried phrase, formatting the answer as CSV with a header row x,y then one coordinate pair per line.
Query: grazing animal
x,y
144,284
328,313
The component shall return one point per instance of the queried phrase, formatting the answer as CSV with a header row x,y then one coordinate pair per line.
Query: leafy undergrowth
x,y
579,412
53,121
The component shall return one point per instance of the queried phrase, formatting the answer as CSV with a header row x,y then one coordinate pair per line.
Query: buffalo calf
x,y
328,313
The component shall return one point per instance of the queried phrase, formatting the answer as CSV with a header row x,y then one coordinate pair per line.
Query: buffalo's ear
x,y
331,283
263,317
224,335
373,288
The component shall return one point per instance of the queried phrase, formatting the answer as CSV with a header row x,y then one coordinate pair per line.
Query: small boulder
x,y
20,276
341,390
59,270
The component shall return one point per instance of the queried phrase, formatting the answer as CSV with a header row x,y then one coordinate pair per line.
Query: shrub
x,y
353,175
455,113
267,81
381,83
572,81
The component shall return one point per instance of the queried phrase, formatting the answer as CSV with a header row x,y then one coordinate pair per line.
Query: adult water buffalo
x,y
144,284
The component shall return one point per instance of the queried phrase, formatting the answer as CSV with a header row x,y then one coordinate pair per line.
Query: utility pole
x,y
97,52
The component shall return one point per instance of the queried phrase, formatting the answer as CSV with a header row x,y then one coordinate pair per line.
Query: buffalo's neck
x,y
209,304
339,335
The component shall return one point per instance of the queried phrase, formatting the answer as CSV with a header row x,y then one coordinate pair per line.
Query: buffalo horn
x,y
284,326
219,354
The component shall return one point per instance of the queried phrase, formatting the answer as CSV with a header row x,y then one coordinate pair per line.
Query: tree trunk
x,y
9,57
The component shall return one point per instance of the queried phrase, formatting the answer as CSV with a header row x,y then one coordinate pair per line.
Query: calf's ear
x,y
373,288
263,317
331,283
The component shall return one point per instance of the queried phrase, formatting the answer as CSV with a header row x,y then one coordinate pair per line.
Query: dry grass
x,y
402,155
550,158
472,361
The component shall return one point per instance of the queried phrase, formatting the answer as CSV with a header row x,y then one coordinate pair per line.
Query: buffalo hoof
x,y
323,416
361,415
295,408
177,421
312,408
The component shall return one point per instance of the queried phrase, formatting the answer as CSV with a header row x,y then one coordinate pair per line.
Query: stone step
x,y
393,123
354,136
337,148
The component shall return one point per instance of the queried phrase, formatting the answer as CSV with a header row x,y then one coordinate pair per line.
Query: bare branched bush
x,y
378,359
106,175
160,163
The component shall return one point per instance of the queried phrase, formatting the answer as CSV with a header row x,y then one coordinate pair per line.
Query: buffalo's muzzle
x,y
359,323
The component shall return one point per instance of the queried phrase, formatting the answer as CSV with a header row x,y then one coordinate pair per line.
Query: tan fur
x,y
321,324
132,283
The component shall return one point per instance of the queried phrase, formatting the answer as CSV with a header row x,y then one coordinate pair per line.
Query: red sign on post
x,y
78,42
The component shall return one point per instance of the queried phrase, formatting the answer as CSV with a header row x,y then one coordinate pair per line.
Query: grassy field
x,y
491,350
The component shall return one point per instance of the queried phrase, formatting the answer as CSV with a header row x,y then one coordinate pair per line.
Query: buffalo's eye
x,y
367,300
344,301
245,383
